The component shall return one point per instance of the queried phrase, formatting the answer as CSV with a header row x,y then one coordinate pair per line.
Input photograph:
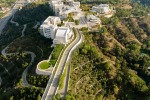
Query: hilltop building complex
x,y
102,9
63,11
62,8
93,21
60,35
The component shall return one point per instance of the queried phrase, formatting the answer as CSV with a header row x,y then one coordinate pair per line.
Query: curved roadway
x,y
64,90
24,74
4,20
25,83
55,80
24,80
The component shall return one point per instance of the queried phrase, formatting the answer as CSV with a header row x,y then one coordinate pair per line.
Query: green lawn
x,y
52,61
56,52
44,65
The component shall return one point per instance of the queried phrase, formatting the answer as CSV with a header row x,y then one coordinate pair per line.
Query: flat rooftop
x,y
61,32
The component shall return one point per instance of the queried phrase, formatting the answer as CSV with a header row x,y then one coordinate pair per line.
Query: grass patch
x,y
55,54
52,61
62,77
44,65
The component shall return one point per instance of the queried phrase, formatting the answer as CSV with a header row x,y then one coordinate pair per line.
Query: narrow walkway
x,y
81,65
24,28
36,26
97,93
13,22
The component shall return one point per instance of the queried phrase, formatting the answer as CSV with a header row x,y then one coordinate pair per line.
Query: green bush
x,y
77,22
62,77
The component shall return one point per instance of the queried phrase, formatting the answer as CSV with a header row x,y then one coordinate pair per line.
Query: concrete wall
x,y
43,71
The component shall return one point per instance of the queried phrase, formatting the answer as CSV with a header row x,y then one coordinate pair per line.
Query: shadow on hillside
x,y
33,12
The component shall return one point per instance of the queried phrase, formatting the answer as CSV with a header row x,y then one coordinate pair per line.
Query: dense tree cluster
x,y
30,13
15,64
113,65
26,94
11,70
39,80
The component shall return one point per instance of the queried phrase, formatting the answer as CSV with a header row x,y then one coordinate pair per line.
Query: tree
x,y
107,65
103,30
115,20
105,21
69,97
77,22
84,29
57,97
123,12
11,98
39,97
84,51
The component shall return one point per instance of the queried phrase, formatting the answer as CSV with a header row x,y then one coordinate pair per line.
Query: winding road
x,y
24,28
25,83
3,52
13,22
24,80
53,84
5,19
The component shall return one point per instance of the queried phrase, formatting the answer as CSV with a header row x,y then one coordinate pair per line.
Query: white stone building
x,y
49,27
102,9
60,35
93,21
62,8
63,35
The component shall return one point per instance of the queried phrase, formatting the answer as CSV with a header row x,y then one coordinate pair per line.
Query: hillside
x,y
111,64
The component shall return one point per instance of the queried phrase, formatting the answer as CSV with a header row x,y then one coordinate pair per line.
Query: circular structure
x,y
43,68
44,64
